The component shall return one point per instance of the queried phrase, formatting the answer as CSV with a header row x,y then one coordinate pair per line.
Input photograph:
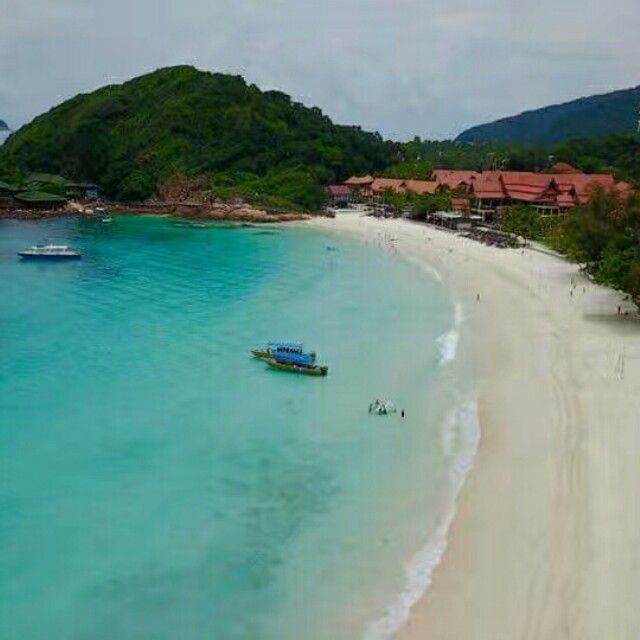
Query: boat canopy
x,y
286,346
290,357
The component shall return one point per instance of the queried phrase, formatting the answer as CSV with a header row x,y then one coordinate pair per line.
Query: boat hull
x,y
263,354
317,371
35,256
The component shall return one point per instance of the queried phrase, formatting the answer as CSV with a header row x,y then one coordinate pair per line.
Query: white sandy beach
x,y
546,540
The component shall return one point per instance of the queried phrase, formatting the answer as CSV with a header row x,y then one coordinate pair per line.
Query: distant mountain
x,y
601,115
130,137
4,126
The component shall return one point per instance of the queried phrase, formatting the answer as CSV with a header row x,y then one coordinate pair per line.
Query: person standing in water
x,y
402,414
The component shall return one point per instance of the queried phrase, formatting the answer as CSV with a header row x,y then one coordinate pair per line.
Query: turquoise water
x,y
156,482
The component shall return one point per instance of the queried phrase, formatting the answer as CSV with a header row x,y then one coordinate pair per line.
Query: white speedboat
x,y
50,252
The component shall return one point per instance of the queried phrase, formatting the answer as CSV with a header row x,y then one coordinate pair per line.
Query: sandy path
x,y
546,542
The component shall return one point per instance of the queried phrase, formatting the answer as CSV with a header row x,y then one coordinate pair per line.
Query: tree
x,y
522,221
589,229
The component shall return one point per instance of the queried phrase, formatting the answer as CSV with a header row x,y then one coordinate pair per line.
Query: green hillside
x,y
180,120
611,113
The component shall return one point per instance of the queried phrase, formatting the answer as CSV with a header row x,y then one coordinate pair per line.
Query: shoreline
x,y
545,537
197,213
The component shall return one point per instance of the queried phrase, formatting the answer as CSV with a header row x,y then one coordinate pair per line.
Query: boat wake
x,y
449,341
460,440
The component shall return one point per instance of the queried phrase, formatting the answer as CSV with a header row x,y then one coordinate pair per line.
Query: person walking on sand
x,y
477,297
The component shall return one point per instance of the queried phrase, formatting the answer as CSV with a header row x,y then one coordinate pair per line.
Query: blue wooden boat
x,y
283,350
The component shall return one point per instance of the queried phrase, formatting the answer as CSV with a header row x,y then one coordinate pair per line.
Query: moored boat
x,y
50,252
282,350
309,370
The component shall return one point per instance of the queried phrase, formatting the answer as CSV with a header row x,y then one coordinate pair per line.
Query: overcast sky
x,y
402,67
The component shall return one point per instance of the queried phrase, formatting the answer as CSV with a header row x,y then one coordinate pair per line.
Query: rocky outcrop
x,y
233,212
181,197
35,214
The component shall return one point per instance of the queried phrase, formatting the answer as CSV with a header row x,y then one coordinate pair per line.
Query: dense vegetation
x,y
416,159
602,235
524,222
602,115
179,120
605,236
617,154
612,154
257,145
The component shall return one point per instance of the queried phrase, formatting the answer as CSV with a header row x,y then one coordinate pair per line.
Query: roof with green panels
x,y
38,196
46,178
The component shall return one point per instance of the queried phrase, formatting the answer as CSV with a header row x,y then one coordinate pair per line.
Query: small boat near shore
x,y
290,356
308,370
50,252
283,350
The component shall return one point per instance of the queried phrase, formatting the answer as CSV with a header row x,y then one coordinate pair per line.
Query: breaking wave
x,y
449,341
461,431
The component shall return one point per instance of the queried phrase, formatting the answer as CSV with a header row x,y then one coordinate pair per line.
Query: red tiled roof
x,y
458,204
384,184
338,190
529,187
491,175
565,200
487,187
624,190
526,178
357,181
454,178
582,184
563,168
421,186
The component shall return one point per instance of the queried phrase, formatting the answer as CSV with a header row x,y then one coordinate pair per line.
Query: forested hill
x,y
611,113
179,120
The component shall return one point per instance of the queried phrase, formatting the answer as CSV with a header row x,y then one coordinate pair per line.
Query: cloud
x,y
403,67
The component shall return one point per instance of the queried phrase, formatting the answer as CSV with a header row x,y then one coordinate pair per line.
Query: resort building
x,y
360,187
381,185
455,180
39,200
422,187
82,191
12,198
484,194
461,205
339,194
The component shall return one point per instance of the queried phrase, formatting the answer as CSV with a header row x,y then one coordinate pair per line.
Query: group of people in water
x,y
384,408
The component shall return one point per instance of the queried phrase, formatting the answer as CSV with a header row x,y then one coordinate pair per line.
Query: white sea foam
x,y
424,266
462,433
449,341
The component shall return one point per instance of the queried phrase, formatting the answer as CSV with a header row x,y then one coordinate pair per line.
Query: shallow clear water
x,y
156,482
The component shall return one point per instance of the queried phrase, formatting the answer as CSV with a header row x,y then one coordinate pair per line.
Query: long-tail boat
x,y
282,349
292,367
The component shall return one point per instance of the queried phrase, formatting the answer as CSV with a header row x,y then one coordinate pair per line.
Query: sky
x,y
401,67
